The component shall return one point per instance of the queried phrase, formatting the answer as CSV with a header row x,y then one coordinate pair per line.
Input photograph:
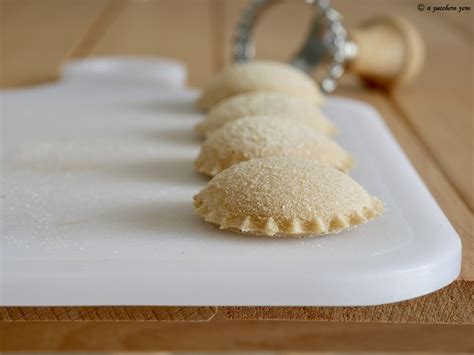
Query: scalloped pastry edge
x,y
212,168
328,129
296,227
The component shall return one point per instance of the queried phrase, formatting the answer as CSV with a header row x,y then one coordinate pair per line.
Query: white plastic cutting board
x,y
97,187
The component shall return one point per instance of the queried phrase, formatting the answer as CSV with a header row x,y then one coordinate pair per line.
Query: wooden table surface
x,y
431,118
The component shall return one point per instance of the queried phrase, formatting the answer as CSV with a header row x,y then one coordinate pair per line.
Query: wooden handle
x,y
390,51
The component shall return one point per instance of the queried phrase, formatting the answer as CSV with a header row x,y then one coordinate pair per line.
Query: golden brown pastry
x,y
264,136
259,76
266,103
285,197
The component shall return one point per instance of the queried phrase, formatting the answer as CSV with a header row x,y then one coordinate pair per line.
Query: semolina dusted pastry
x,y
259,76
285,197
266,103
266,136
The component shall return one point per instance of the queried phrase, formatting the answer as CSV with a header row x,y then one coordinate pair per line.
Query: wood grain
x,y
107,313
235,335
431,119
96,30
449,109
452,304
461,21
177,29
37,35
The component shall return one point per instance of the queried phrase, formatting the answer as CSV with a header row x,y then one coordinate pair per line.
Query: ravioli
x,y
265,136
266,103
259,76
285,197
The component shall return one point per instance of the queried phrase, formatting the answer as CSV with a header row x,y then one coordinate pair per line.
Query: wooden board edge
x,y
233,335
108,313
450,305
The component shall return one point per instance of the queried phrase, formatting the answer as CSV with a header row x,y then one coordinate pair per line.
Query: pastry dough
x,y
259,76
285,197
265,136
266,103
